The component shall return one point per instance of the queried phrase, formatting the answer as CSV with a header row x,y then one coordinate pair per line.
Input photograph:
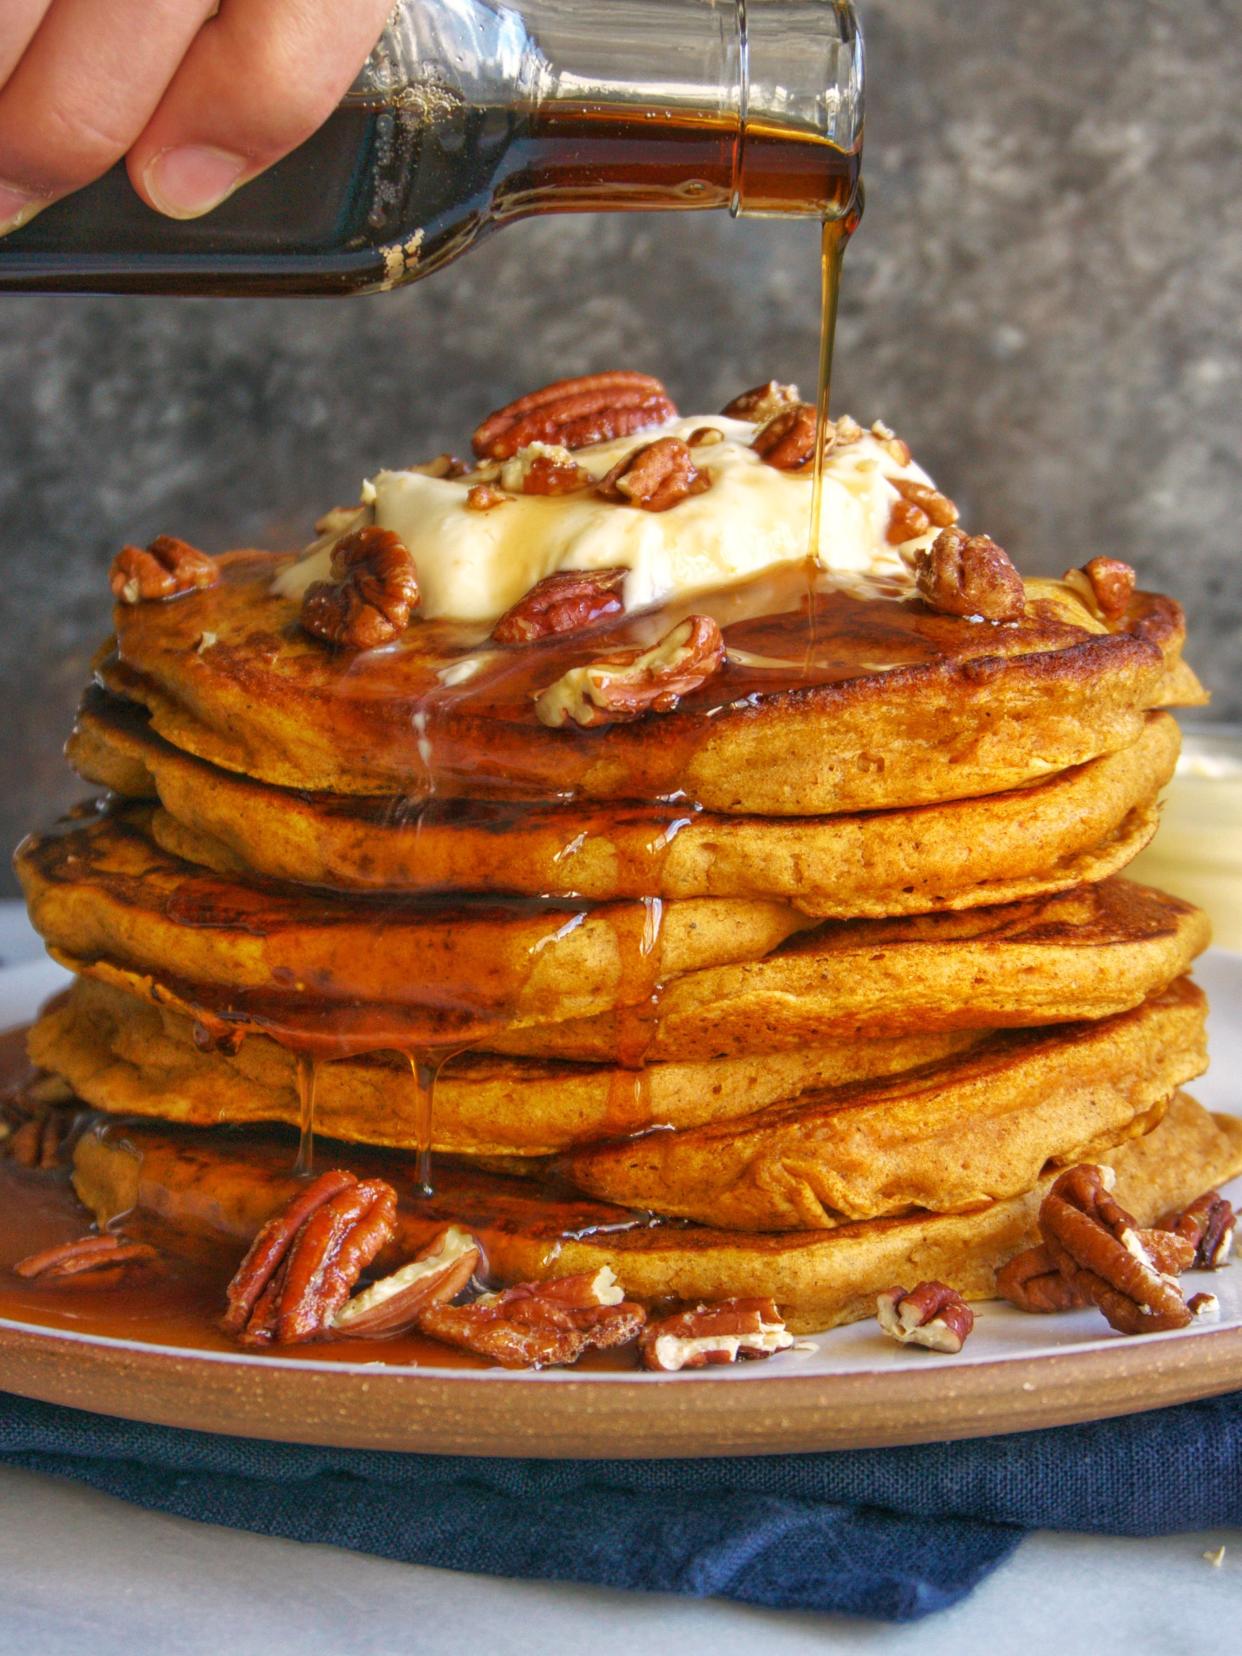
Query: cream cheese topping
x,y
474,565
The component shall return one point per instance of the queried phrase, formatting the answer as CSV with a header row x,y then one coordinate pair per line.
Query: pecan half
x,y
1033,1282
302,1266
371,596
544,469
35,1125
562,603
90,1261
704,1335
936,507
1207,1225
593,408
961,574
787,441
394,1303
761,402
1096,1245
932,1314
540,1324
653,681
165,569
1106,585
655,477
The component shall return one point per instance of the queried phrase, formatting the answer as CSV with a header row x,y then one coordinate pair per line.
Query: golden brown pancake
x,y
973,1128
1080,954
99,889
1079,825
194,1188
128,1057
891,705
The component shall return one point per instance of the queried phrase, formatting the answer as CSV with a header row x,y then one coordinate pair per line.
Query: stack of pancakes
x,y
809,985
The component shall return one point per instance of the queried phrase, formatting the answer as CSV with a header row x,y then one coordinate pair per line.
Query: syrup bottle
x,y
470,114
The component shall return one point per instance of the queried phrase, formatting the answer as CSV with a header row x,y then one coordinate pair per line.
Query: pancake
x,y
98,888
892,704
1086,953
125,1056
1081,824
974,1128
192,1190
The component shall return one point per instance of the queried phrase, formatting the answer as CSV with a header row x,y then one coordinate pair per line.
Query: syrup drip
x,y
425,1067
307,1075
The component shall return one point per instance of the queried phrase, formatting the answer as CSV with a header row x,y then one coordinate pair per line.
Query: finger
x,y
84,90
258,80
21,19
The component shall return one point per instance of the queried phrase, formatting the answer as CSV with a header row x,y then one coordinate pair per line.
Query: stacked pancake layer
x,y
808,985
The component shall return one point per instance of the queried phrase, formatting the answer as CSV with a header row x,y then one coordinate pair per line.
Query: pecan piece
x,y
655,477
653,681
302,1266
704,1335
932,1314
1105,584
165,569
593,408
1207,1225
936,507
485,497
371,595
961,574
562,603
906,521
1096,1245
544,469
90,1261
35,1125
1033,1282
761,402
444,465
537,1324
394,1303
787,441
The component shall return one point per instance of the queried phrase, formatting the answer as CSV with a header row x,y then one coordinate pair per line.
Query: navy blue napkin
x,y
892,1533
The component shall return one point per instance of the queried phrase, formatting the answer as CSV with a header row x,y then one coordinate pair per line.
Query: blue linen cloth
x,y
890,1533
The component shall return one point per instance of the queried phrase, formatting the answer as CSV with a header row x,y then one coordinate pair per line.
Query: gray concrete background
x,y
1044,298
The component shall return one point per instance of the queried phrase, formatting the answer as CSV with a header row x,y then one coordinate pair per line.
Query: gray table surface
x,y
81,1571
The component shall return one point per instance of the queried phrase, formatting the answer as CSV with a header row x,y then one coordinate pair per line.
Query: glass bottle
x,y
470,114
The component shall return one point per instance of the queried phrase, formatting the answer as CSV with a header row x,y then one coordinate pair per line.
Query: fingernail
x,y
17,207
186,182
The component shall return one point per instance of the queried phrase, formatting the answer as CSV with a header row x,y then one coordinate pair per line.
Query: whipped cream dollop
x,y
474,565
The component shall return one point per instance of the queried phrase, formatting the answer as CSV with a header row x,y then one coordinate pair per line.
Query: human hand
x,y
199,96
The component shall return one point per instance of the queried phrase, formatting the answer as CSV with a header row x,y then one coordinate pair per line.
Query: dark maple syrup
x,y
383,195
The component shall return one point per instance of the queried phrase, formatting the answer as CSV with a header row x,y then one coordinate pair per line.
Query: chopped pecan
x,y
787,440
91,1261
594,408
1106,584
393,1303
626,687
302,1266
1096,1244
761,402
932,1314
1033,1282
544,469
1204,1308
906,521
165,569
562,603
1207,1225
704,1335
537,1324
936,507
961,574
705,437
484,497
847,430
655,477
444,465
371,595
